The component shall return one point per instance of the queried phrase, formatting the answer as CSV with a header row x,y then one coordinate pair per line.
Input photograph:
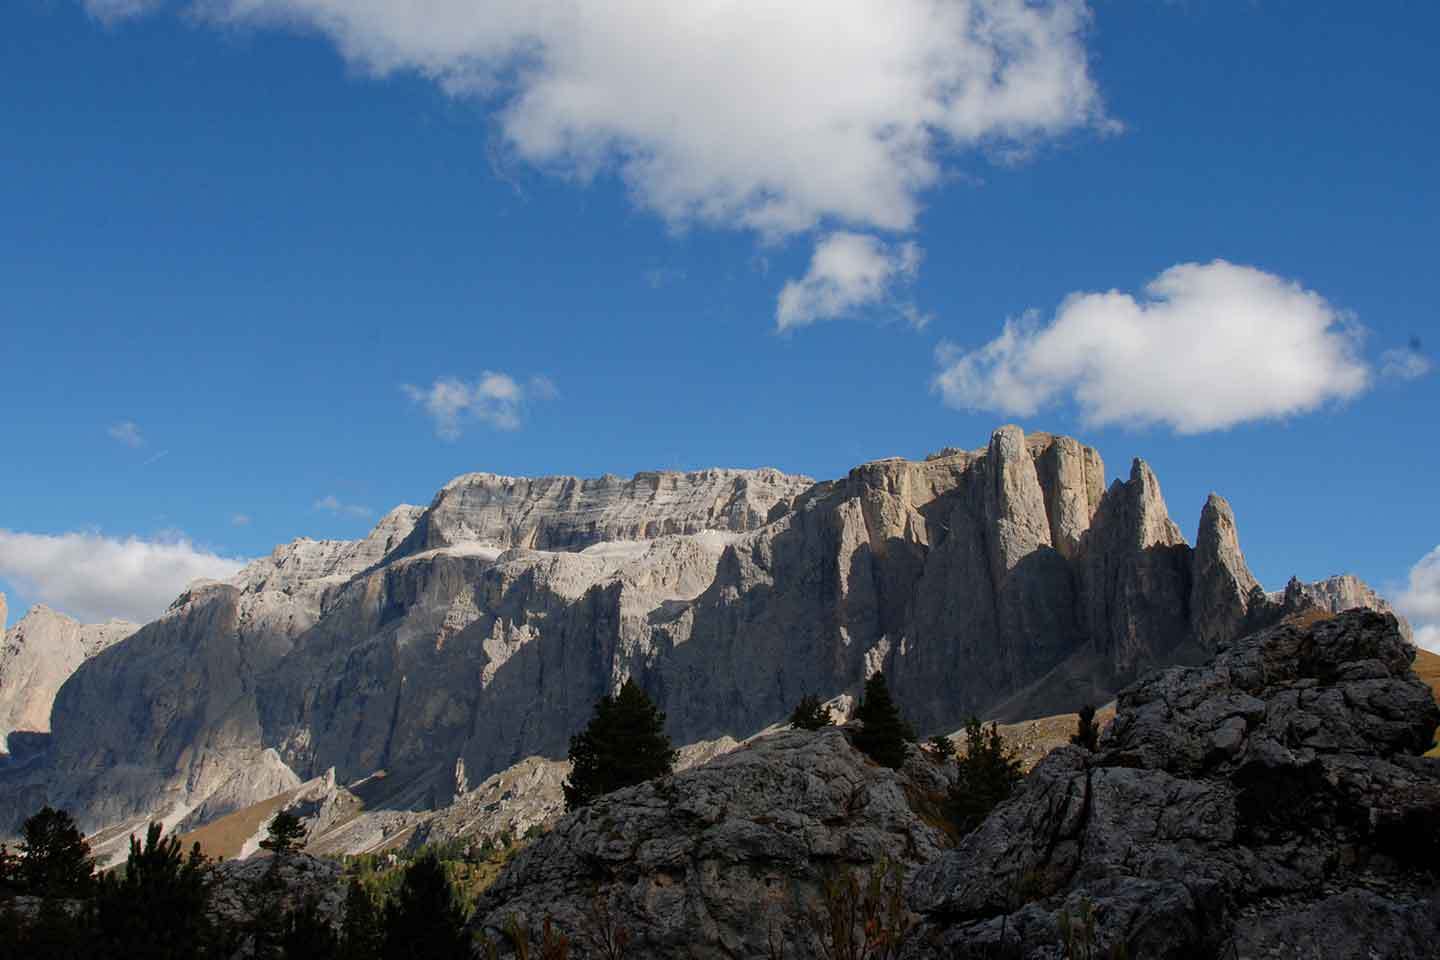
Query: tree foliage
x,y
54,857
1087,731
156,908
942,747
361,932
624,744
810,713
424,919
884,732
988,773
284,835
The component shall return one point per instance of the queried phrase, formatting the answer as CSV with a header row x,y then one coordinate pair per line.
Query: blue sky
x,y
252,253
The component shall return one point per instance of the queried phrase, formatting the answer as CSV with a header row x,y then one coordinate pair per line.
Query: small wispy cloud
x,y
495,399
128,433
663,276
850,272
1406,363
157,457
240,520
332,504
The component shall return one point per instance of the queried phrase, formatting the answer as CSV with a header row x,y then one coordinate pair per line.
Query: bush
x,y
810,714
623,745
987,775
884,732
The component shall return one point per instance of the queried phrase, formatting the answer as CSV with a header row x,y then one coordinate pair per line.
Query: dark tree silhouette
x,y
884,732
810,714
361,935
285,834
54,857
307,935
423,920
1087,732
943,747
156,908
624,744
987,775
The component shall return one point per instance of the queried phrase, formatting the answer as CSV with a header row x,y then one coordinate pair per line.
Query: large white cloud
x,y
93,577
1209,346
1419,600
739,113
848,271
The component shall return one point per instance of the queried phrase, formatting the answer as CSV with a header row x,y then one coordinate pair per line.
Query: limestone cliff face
x,y
568,513
1000,581
37,655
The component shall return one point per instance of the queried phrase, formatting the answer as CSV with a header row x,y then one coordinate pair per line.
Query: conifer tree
x,y
284,834
423,920
157,907
810,714
884,732
307,935
624,744
988,773
361,935
54,857
1087,732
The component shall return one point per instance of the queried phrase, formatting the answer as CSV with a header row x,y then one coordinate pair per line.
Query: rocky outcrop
x,y
1229,806
1334,594
37,656
714,861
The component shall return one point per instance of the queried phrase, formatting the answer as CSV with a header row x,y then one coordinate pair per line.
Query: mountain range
x,y
459,639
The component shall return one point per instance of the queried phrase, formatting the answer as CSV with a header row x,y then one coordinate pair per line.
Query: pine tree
x,y
942,747
884,732
624,744
1087,732
988,773
423,920
307,935
157,907
285,833
810,714
54,857
361,934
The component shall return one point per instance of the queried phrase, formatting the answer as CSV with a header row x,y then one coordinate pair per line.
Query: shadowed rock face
x,y
1000,581
37,655
1230,805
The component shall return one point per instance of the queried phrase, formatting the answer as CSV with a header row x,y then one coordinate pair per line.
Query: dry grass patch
x,y
225,837
1427,668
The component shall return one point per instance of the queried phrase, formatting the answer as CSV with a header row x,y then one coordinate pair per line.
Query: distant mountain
x,y
457,640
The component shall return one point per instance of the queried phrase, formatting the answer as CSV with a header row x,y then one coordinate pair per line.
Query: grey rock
x,y
708,862
1278,781
37,656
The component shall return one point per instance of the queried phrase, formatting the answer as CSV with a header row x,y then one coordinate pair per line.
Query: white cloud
x,y
128,433
774,117
112,11
848,272
1419,600
93,577
331,504
495,398
1209,346
1407,363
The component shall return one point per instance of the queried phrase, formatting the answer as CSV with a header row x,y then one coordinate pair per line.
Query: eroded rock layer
x,y
479,631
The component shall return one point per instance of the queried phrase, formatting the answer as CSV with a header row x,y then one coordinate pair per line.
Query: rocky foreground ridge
x,y
1271,803
457,640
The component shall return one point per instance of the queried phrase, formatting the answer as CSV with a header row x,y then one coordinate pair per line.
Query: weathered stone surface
x,y
37,656
568,513
999,582
1221,582
1280,779
263,888
707,862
